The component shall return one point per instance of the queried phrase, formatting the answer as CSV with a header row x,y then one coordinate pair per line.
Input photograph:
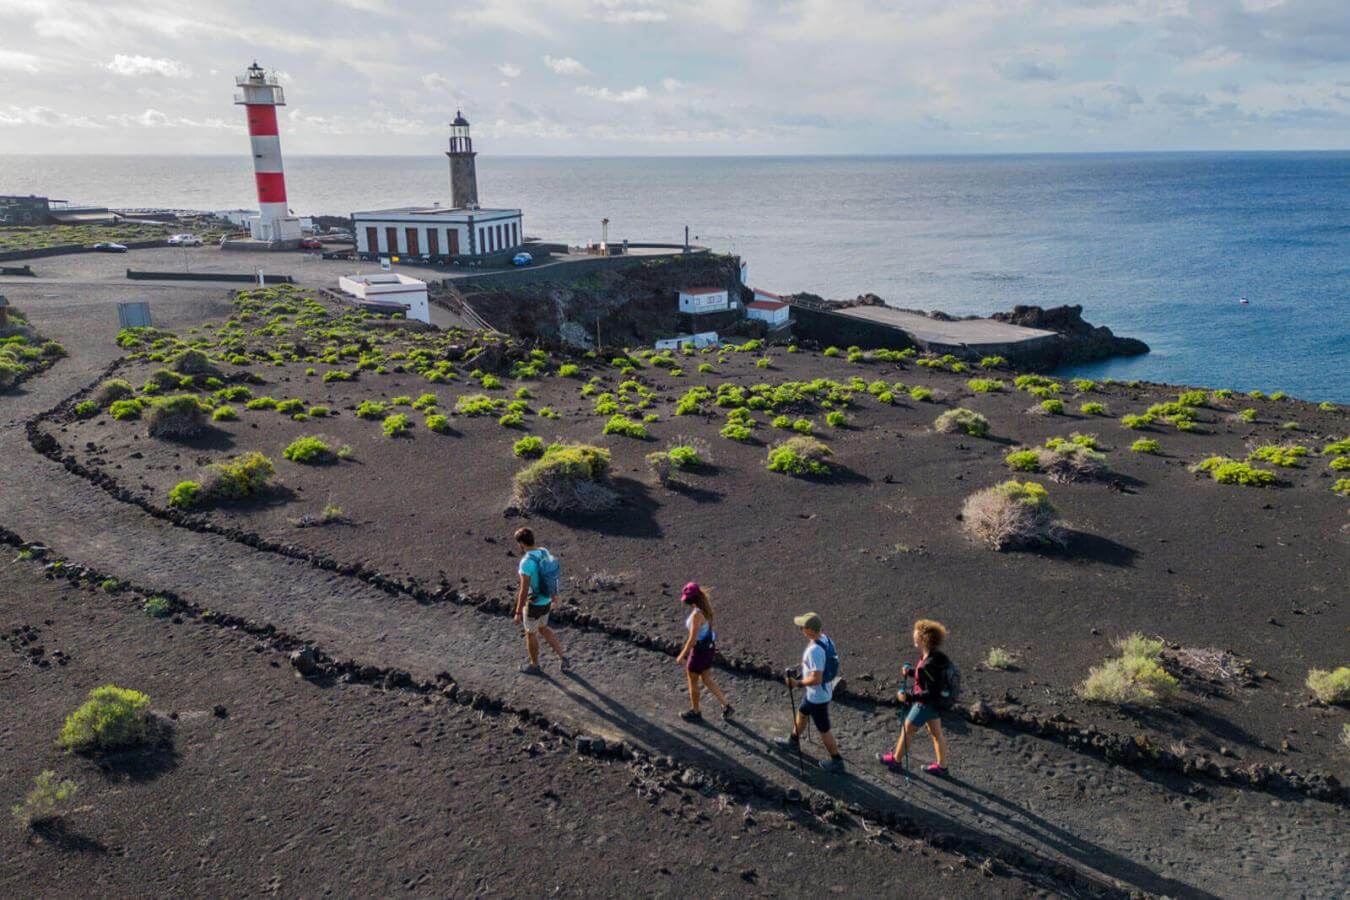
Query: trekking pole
x,y
904,713
792,699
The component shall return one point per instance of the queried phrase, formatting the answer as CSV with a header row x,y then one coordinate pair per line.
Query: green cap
x,y
808,620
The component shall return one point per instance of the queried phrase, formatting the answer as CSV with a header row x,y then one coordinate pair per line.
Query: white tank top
x,y
702,632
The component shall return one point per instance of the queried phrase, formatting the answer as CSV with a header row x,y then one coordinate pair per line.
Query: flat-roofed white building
x,y
436,232
768,307
387,290
704,300
698,341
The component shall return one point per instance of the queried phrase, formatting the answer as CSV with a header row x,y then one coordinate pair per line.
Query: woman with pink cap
x,y
699,651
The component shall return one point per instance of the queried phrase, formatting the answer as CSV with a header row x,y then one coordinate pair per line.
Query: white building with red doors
x,y
768,307
443,233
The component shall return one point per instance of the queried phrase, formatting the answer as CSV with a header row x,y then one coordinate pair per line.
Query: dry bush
x,y
49,800
1330,686
1071,462
962,421
112,390
175,417
192,362
1012,514
237,479
568,478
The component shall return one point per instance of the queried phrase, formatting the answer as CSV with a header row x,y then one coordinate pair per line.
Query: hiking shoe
x,y
564,665
530,669
889,761
935,769
834,764
692,715
789,744
728,711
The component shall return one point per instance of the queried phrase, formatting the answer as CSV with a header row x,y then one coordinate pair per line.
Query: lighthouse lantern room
x,y
260,95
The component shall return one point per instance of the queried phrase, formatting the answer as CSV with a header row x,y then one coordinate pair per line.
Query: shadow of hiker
x,y
1037,829
58,834
694,492
1095,548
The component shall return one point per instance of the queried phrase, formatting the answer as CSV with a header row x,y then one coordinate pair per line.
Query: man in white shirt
x,y
820,672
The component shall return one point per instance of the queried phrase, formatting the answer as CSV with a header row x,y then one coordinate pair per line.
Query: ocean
x,y
1156,246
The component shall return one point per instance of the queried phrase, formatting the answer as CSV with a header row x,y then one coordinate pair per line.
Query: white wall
x,y
701,303
423,243
772,316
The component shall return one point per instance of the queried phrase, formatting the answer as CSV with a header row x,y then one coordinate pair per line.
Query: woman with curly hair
x,y
926,698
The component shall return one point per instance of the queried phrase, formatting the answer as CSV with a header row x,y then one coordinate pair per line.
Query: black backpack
x,y
950,691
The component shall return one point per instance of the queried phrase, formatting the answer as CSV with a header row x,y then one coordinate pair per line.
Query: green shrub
x,y
1341,487
962,421
1247,415
261,403
86,409
1130,680
1330,686
736,431
621,424
784,422
836,419
310,451
568,478
238,478
337,375
396,425
318,412
425,401
113,718
763,363
531,447
192,362
569,370
490,383
1192,398
1092,409
1000,659
512,420
157,607
1230,471
476,405
993,362
984,385
800,456
1012,514
1337,448
1340,464
177,416
234,393
224,414
1083,385
437,423
803,426
831,351
370,409
1285,455
684,456
291,407
1054,406
401,401
112,390
49,799
1145,445
1135,423
1023,461
185,495
125,409
1279,395
920,394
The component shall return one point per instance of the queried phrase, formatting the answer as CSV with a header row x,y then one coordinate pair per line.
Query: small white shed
x,y
699,341
385,289
768,307
704,300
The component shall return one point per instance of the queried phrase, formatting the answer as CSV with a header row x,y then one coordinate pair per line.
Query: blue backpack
x,y
547,574
831,659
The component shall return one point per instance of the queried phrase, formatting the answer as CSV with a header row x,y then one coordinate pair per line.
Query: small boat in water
x,y
1243,301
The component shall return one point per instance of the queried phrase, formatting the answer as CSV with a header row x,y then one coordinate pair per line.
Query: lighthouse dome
x,y
459,119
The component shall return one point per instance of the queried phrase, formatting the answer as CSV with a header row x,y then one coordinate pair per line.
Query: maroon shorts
x,y
701,661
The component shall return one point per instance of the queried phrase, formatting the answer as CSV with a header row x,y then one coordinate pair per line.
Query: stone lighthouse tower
x,y
463,172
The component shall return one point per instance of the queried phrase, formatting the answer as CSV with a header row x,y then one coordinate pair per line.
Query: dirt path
x,y
1010,792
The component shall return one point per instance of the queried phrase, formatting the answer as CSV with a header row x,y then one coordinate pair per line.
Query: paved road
x,y
1110,823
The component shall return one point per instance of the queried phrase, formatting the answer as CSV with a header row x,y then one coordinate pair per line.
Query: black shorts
x,y
819,714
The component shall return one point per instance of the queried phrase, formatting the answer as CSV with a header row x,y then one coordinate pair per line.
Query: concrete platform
x,y
961,332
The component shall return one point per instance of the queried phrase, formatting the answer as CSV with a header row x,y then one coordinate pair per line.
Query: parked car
x,y
185,240
110,247
522,259
311,244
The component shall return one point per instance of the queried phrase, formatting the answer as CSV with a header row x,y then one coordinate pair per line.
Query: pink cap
x,y
691,590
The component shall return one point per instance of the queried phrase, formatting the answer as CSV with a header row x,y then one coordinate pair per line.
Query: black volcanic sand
x,y
272,784
1157,549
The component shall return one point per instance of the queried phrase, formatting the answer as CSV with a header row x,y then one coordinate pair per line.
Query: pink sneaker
x,y
888,760
935,769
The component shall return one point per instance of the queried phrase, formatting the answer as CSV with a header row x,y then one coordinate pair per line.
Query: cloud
x,y
1025,70
435,82
148,65
43,116
508,70
566,66
632,95
671,85
627,12
17,61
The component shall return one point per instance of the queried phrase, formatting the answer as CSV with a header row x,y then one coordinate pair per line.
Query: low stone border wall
x,y
243,278
69,249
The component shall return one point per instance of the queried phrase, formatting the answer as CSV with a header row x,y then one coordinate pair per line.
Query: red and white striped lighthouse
x,y
260,95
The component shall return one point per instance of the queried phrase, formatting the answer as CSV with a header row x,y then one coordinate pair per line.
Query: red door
x,y
433,242
373,240
413,248
391,238
453,235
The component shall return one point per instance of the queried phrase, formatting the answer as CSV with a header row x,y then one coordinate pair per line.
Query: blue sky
x,y
682,76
